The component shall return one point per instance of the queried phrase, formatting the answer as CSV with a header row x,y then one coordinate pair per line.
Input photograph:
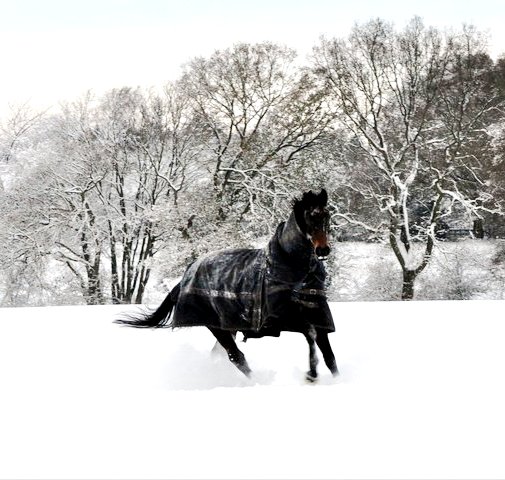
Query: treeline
x,y
405,128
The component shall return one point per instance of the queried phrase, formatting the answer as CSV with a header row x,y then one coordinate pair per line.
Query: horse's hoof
x,y
310,378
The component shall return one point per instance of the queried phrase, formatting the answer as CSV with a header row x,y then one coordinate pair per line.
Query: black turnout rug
x,y
257,291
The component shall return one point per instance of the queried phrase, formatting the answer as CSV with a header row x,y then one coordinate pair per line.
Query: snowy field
x,y
421,395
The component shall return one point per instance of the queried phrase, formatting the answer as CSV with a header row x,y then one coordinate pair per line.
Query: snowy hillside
x,y
421,395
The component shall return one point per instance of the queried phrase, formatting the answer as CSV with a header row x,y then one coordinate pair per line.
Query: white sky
x,y
55,50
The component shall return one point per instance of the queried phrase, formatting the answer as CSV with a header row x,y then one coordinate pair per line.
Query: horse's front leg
x,y
311,336
227,340
324,345
217,348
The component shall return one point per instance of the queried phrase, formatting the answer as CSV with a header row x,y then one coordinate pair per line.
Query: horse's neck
x,y
292,240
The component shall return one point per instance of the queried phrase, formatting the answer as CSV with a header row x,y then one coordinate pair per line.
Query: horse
x,y
259,292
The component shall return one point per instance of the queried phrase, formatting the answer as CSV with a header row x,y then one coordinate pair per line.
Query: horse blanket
x,y
257,291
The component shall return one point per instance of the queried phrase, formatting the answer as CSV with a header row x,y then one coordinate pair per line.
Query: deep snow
x,y
421,395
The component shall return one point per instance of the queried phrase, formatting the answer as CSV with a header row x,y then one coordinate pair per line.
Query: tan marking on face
x,y
319,239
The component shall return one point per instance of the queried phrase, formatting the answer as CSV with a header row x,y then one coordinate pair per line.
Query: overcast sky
x,y
55,50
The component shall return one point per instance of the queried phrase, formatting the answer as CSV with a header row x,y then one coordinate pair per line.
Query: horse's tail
x,y
157,319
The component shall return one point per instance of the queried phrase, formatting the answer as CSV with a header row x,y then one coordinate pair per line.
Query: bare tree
x,y
148,144
104,196
73,217
391,92
15,131
258,111
19,121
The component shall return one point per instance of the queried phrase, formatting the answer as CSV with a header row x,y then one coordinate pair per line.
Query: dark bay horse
x,y
259,292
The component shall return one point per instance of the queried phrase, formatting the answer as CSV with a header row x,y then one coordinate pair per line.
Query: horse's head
x,y
313,219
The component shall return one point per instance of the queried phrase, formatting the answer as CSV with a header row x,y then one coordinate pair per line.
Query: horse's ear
x,y
323,197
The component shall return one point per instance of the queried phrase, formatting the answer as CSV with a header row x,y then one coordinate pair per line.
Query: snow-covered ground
x,y
421,395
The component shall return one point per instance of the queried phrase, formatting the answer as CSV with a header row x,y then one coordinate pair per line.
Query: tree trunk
x,y
114,281
478,228
409,277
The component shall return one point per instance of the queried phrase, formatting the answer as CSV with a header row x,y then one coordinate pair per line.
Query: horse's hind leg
x,y
324,345
227,340
311,336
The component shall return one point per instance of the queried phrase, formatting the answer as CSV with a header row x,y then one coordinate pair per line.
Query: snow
x,y
421,395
